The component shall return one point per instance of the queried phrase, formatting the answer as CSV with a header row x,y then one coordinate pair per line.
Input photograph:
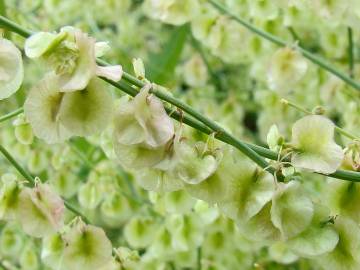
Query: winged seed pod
x,y
346,254
87,247
248,193
176,12
141,131
42,210
42,108
72,56
291,210
314,145
11,68
87,111
320,237
9,199
56,116
287,68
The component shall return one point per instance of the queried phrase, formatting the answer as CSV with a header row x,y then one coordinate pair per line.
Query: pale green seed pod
x,y
249,192
11,240
11,68
140,232
174,12
281,253
65,183
42,210
115,209
42,109
158,180
178,202
194,164
319,238
286,69
24,134
346,254
195,72
186,231
314,145
52,251
23,130
292,209
9,199
29,258
260,227
37,161
87,248
90,195
88,111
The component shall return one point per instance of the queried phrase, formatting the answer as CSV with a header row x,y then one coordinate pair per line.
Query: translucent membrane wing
x,y
87,111
315,148
42,108
11,68
292,210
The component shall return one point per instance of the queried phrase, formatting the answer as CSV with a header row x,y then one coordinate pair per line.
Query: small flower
x,y
11,68
314,146
42,210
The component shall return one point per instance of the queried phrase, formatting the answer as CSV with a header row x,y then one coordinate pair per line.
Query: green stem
x,y
274,39
351,52
195,123
17,166
337,129
31,180
11,114
199,257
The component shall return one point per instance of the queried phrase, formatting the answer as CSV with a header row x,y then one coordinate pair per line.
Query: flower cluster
x,y
153,193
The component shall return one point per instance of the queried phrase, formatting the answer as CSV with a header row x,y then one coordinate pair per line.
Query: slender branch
x,y
195,123
11,114
274,39
337,129
198,258
17,166
31,180
351,52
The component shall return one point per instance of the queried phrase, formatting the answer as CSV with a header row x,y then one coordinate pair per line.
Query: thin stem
x,y
11,114
337,129
297,107
351,52
198,258
31,180
195,123
17,166
274,39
